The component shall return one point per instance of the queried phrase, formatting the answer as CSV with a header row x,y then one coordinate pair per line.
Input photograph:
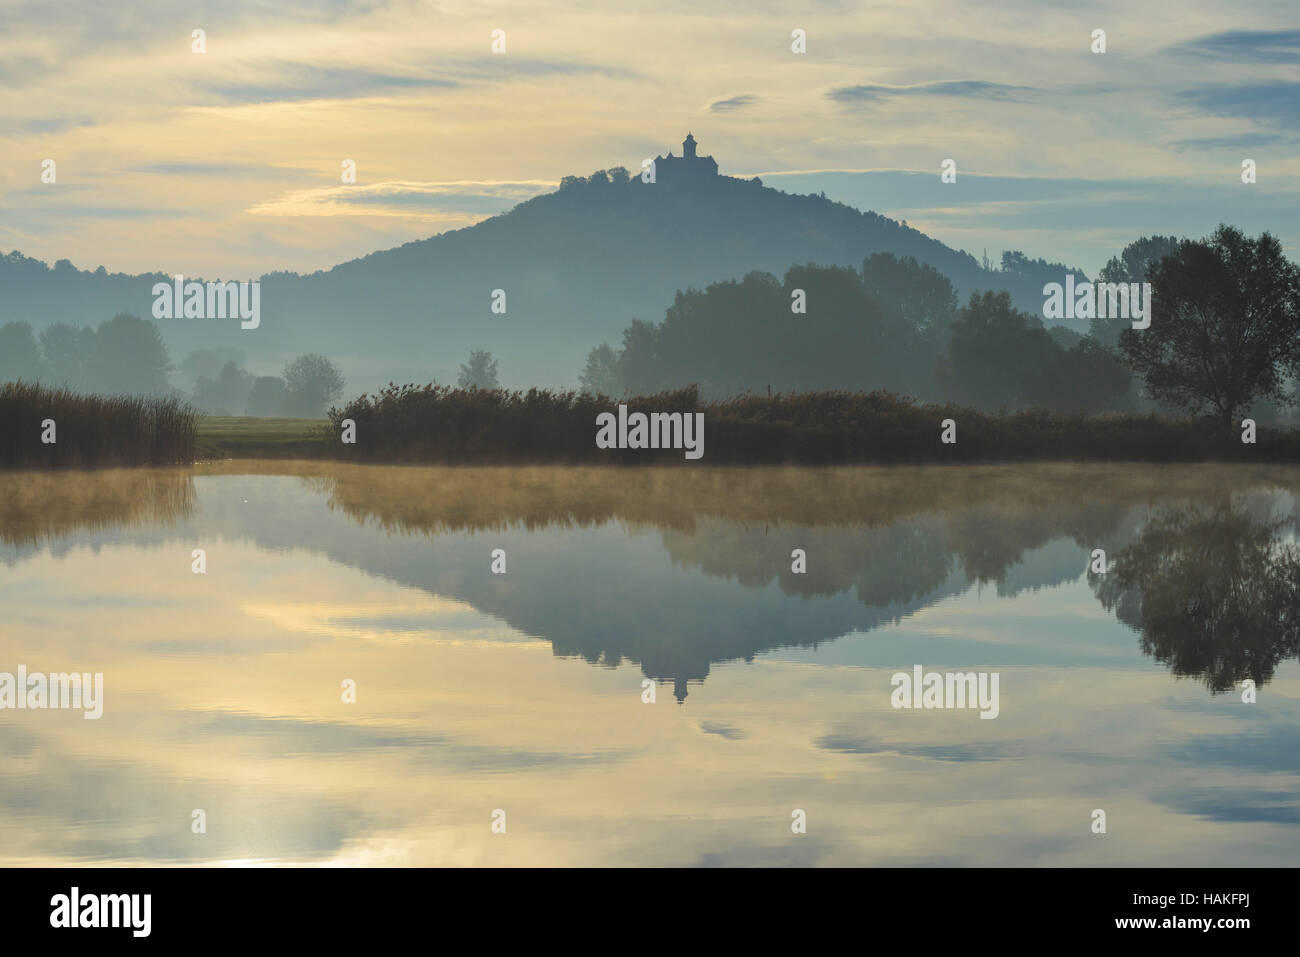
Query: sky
x,y
228,162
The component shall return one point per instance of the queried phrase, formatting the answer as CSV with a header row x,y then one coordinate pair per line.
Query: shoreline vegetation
x,y
439,425
42,427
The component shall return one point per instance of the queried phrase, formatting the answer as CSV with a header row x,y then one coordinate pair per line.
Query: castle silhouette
x,y
687,167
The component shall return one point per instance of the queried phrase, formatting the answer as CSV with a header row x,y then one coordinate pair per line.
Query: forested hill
x,y
575,266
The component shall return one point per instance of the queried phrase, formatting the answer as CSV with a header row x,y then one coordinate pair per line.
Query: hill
x,y
576,265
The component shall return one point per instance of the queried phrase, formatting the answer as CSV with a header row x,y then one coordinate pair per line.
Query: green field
x,y
238,436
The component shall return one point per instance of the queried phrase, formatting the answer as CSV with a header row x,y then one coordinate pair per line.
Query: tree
x,y
1085,376
480,373
208,362
921,296
227,394
67,352
313,382
129,358
269,396
1226,328
600,375
1132,265
19,356
996,354
638,362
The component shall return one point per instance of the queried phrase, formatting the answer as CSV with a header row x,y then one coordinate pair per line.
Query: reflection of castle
x,y
688,166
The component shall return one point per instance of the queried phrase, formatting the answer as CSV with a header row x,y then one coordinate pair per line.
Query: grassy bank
x,y
438,425
448,426
91,430
237,436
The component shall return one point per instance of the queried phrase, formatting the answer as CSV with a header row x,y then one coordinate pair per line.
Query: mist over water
x,y
523,690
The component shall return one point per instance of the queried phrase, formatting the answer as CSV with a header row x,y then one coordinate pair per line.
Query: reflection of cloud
x,y
282,737
723,730
88,809
241,715
1274,749
465,198
851,744
1236,804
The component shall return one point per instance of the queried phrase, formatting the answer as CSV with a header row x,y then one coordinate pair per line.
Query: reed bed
x,y
92,431
439,425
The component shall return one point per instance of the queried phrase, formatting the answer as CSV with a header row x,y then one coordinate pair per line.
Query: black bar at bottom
x,y
300,906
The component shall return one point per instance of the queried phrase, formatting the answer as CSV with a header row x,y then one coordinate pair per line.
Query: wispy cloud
x,y
299,81
733,103
1239,142
974,89
1244,46
467,199
1275,103
231,170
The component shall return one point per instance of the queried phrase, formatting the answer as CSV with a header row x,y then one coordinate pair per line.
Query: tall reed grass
x,y
93,430
437,424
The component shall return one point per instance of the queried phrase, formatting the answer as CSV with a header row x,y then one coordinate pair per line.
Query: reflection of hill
x,y
677,570
897,540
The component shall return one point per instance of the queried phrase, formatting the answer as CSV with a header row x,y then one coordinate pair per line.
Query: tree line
x,y
1224,339
126,355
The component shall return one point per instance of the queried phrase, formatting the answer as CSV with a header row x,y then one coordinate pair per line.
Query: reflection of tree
x,y
1214,591
36,506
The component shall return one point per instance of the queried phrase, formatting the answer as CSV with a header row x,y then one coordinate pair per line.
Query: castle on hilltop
x,y
688,166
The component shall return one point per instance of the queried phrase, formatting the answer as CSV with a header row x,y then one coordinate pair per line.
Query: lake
x,y
441,666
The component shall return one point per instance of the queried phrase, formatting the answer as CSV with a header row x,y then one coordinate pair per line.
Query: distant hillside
x,y
576,265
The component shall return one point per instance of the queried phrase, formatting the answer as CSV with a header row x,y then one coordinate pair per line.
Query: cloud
x,y
1244,46
974,89
1239,142
1277,102
298,81
53,124
734,103
289,82
422,200
233,170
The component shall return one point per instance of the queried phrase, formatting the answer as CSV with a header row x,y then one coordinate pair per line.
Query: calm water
x,y
523,691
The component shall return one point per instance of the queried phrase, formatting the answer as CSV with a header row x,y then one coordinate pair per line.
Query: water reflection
x,y
1214,590
1210,581
223,689
42,506
1218,583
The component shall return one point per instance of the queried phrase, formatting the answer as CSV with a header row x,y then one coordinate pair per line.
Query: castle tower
x,y
689,167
